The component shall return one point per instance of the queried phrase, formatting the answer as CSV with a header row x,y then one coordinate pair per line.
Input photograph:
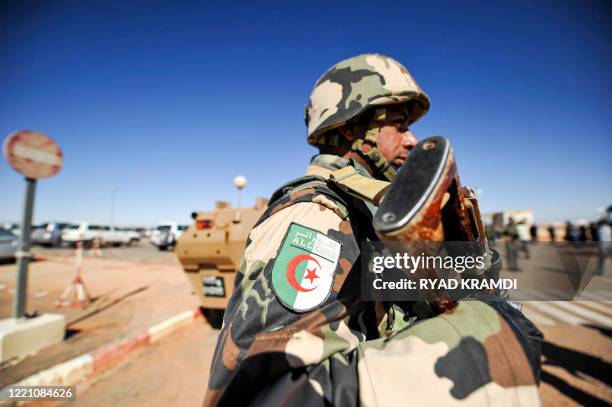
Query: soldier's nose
x,y
409,140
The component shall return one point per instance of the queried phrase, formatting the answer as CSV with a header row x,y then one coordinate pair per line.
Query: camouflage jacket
x,y
278,349
511,232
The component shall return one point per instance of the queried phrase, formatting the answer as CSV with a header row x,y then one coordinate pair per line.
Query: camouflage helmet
x,y
352,86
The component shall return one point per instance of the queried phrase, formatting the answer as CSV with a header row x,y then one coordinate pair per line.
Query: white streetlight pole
x,y
240,182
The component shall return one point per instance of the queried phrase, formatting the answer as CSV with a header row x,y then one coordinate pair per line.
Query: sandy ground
x,y
129,297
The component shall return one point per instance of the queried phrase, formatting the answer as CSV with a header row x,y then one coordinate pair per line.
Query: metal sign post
x,y
24,255
34,155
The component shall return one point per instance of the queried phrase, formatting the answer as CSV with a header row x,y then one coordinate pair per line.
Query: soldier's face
x,y
395,140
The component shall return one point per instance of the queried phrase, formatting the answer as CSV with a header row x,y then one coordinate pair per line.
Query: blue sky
x,y
166,102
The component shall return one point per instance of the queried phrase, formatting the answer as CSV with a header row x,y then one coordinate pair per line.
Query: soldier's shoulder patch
x,y
304,268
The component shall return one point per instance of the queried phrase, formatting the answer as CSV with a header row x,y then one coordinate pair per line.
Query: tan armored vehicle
x,y
210,251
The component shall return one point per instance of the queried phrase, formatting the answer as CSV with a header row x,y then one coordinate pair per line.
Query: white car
x,y
12,227
87,232
166,234
125,236
8,244
49,234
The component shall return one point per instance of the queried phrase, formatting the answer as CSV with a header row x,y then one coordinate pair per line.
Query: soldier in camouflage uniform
x,y
297,332
511,236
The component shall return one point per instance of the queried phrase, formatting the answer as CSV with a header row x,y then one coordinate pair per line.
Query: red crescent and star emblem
x,y
304,268
311,274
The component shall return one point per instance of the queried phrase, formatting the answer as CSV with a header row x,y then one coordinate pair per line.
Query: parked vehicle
x,y
107,235
140,231
211,250
8,244
166,234
49,234
82,232
12,227
127,236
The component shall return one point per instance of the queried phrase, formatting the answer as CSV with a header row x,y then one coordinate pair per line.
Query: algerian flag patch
x,y
303,272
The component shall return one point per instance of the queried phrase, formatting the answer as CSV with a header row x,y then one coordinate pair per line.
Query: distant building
x,y
499,219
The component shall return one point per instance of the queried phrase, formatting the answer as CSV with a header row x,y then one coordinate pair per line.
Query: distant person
x,y
593,229
533,231
512,239
571,234
498,231
582,235
490,234
604,233
551,232
524,237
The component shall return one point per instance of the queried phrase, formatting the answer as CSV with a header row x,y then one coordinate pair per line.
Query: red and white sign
x,y
33,154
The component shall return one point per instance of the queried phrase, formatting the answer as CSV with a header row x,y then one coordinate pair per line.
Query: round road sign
x,y
33,154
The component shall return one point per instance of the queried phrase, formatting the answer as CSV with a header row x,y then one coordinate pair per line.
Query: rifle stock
x,y
426,203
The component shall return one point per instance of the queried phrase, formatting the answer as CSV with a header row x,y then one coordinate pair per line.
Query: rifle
x,y
426,204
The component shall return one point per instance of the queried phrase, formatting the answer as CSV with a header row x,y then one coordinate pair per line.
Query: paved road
x,y
577,351
576,366
171,372
576,370
143,252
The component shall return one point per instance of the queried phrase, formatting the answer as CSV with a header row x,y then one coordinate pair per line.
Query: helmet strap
x,y
367,150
